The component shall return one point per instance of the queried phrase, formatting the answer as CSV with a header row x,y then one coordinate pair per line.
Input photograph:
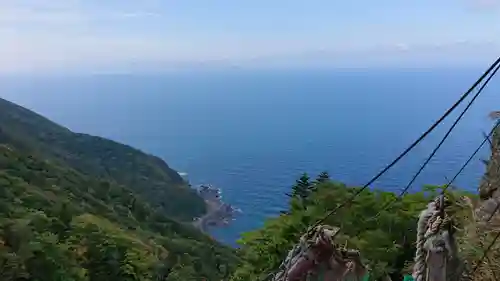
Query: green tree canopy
x,y
386,241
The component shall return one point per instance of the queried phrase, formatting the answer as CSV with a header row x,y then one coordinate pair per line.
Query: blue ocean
x,y
253,132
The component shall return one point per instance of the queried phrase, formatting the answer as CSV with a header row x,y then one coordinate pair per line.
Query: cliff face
x,y
489,188
479,247
147,175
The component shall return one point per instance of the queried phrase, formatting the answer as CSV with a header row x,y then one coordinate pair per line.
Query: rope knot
x,y
433,235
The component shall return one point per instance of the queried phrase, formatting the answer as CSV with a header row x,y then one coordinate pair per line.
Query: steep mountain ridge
x,y
149,176
77,207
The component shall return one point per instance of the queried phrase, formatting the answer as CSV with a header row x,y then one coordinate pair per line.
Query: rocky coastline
x,y
219,214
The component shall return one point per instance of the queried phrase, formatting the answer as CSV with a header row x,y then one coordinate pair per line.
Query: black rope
x,y
450,182
495,66
448,134
486,139
403,192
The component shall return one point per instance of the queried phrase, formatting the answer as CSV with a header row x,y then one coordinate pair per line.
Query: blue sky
x,y
42,35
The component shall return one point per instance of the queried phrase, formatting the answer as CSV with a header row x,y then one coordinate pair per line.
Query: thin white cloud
x,y
61,34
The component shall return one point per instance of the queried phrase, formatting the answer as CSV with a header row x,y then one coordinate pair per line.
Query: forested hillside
x,y
58,224
147,175
62,218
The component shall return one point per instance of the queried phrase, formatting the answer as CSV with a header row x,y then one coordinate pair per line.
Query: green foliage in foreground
x,y
386,242
58,224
